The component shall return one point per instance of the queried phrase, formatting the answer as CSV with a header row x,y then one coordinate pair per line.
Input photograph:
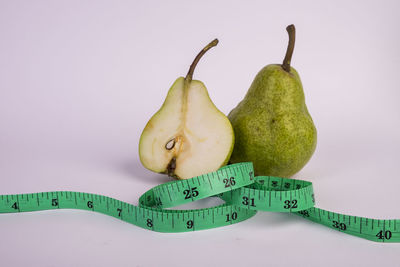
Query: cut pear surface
x,y
188,136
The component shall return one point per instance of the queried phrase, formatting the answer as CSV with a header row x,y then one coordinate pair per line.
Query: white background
x,y
80,79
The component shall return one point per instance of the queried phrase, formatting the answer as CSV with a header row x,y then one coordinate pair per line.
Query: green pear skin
x,y
272,125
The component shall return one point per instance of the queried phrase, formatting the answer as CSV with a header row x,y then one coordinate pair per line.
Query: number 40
x,y
384,235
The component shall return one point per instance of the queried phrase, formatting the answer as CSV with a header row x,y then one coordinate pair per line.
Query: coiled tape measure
x,y
243,194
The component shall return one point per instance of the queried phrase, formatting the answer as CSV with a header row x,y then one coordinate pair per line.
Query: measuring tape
x,y
243,194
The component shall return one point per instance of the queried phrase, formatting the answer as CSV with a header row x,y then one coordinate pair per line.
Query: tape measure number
x,y
243,194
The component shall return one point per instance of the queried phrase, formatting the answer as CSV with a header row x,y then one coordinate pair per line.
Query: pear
x,y
272,125
188,136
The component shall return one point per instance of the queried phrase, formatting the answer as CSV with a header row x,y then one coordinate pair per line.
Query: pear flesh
x,y
188,136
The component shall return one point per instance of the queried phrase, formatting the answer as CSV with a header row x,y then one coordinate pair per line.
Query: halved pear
x,y
188,136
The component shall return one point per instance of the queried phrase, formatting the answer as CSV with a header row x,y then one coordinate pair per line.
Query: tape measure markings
x,y
243,194
362,227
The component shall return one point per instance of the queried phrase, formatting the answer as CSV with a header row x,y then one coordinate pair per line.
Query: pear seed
x,y
170,145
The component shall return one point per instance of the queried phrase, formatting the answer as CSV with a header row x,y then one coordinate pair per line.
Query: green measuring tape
x,y
243,194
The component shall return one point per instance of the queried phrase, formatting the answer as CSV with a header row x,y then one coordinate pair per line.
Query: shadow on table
x,y
135,169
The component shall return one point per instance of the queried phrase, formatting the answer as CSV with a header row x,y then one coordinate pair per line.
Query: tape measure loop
x,y
243,194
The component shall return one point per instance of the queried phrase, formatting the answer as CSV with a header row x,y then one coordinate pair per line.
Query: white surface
x,y
79,80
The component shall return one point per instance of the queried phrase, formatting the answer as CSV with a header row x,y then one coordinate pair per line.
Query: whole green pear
x,y
272,125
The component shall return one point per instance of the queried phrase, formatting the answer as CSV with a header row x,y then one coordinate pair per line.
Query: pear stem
x,y
189,75
289,52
